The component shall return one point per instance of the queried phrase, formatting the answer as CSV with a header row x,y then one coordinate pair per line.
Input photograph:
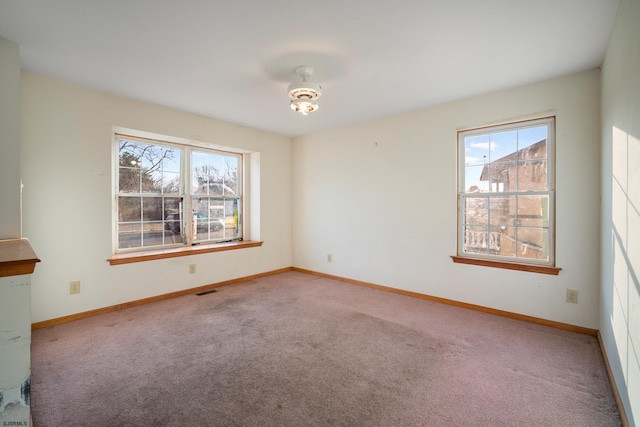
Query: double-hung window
x,y
506,193
172,195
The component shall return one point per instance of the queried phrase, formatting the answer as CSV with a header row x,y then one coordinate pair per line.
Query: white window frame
x,y
186,148
492,193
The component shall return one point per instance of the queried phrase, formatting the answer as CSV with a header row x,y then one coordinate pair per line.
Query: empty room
x,y
411,213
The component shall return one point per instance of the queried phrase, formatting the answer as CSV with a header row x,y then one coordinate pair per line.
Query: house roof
x,y
512,157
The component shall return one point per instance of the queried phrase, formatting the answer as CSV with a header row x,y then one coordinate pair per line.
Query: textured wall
x,y
9,139
380,197
15,350
67,176
620,306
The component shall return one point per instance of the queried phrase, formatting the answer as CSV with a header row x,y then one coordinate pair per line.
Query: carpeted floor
x,y
298,350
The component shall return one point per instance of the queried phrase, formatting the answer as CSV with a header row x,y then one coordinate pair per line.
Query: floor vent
x,y
210,291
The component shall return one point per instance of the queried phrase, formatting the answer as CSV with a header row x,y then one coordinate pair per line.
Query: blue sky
x,y
484,148
487,147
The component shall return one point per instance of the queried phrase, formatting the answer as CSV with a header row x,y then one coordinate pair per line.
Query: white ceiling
x,y
232,60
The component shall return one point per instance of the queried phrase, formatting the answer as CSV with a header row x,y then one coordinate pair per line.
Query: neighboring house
x,y
525,169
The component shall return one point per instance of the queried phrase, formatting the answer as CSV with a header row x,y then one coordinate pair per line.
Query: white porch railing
x,y
482,240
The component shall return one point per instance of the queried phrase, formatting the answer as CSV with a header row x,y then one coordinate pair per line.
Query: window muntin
x,y
506,192
158,183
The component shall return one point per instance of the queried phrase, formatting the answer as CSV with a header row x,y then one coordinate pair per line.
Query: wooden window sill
x,y
131,257
16,257
544,269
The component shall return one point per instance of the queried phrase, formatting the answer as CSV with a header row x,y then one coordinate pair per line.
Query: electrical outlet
x,y
192,268
572,296
74,287
329,258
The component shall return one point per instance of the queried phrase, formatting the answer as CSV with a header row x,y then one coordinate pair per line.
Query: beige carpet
x,y
299,350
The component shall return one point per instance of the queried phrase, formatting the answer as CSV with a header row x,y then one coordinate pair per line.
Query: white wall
x,y
15,307
66,170
9,139
15,350
380,197
620,305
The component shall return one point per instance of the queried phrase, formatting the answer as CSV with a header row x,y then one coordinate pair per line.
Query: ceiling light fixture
x,y
304,94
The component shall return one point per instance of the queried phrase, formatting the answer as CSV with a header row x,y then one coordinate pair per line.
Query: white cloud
x,y
470,160
484,145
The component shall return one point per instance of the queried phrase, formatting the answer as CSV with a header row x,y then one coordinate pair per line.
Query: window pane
x,y
533,211
231,176
153,157
172,205
173,218
172,238
212,174
129,209
142,165
231,218
502,145
501,175
171,161
199,183
215,174
532,175
173,223
151,182
152,234
507,242
207,226
129,236
477,148
216,208
129,180
129,152
536,151
152,209
532,135
478,240
216,165
476,179
216,188
502,211
201,205
533,243
476,210
210,229
171,182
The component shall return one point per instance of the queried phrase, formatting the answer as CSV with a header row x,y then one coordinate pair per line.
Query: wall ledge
x,y
17,257
140,256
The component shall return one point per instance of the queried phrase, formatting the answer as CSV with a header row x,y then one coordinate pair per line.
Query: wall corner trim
x,y
496,312
614,387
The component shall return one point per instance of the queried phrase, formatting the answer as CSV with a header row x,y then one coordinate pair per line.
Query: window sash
x,y
152,233
218,182
490,240
539,226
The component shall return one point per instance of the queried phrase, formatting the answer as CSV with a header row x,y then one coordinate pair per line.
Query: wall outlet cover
x,y
74,287
572,296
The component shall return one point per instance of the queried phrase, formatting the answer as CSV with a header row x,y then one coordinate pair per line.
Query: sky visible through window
x,y
484,148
